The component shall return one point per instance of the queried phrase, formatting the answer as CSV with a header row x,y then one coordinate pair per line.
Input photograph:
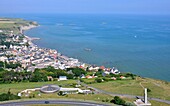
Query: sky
x,y
86,6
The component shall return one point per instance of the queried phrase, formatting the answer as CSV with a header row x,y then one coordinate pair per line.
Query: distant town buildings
x,y
19,49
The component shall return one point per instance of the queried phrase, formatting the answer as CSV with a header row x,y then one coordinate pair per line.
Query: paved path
x,y
66,102
124,95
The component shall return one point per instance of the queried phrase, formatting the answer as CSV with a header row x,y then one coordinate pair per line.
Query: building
x,y
88,77
53,89
62,78
3,58
50,78
71,90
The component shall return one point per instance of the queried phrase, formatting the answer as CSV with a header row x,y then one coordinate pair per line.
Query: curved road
x,y
124,95
66,102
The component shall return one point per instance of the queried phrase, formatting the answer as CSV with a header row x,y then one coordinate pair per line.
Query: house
x,y
114,71
50,78
18,69
88,76
3,47
31,69
102,67
82,76
81,67
93,68
70,90
113,78
62,78
122,77
106,72
38,60
3,58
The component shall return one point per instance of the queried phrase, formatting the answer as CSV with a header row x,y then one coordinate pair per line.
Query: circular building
x,y
49,88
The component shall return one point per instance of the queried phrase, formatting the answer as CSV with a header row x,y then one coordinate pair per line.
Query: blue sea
x,y
133,43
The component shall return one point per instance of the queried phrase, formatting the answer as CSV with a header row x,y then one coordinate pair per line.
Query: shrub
x,y
103,100
8,96
60,93
148,90
98,80
118,100
30,96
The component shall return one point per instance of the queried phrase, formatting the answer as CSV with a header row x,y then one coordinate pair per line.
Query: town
x,y
19,49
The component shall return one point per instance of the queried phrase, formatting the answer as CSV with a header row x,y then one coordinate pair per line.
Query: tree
x,y
13,66
87,69
99,72
39,75
60,93
77,71
118,100
148,90
8,96
70,76
27,44
1,64
98,80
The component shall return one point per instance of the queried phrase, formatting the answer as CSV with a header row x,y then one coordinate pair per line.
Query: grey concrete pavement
x,y
66,102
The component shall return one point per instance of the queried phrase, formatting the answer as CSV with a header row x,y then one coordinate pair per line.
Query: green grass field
x,y
18,87
8,25
159,89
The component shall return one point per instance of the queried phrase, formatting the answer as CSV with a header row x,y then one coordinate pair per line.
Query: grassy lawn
x,y
89,97
8,25
159,89
18,87
89,80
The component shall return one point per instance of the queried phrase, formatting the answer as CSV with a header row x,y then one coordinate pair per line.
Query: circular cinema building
x,y
49,88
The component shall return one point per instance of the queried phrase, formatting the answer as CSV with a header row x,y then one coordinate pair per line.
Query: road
x,y
123,95
66,102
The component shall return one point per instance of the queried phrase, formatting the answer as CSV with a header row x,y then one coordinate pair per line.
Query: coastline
x,y
65,56
24,28
38,49
30,39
